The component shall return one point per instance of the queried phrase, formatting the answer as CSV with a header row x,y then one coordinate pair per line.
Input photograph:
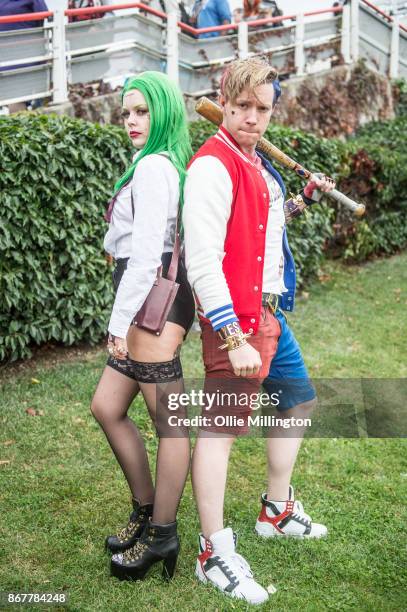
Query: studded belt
x,y
270,300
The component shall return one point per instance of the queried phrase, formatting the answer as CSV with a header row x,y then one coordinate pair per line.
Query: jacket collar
x,y
228,139
270,168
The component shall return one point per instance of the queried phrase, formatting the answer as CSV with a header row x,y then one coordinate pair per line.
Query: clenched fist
x,y
245,360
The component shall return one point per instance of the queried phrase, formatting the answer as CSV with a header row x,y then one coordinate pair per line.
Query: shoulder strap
x,y
132,201
173,269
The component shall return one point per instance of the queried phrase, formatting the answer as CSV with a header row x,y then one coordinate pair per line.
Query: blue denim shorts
x,y
288,375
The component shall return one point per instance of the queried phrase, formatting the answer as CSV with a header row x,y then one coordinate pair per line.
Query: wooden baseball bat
x,y
213,113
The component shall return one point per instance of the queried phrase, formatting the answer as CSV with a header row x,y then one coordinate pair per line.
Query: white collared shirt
x,y
144,238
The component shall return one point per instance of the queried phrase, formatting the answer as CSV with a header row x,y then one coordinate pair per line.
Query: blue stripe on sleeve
x,y
222,316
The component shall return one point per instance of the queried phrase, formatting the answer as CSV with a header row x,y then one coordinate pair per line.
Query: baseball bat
x,y
213,113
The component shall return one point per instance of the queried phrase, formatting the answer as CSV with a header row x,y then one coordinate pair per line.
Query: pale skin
x,y
246,118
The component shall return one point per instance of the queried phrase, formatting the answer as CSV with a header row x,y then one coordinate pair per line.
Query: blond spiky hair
x,y
246,73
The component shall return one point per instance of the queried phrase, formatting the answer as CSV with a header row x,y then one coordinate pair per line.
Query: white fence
x,y
41,62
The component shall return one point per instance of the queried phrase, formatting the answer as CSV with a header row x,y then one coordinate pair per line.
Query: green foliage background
x,y
381,179
57,174
400,97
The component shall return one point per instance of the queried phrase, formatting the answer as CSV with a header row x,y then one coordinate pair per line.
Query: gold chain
x,y
135,551
128,531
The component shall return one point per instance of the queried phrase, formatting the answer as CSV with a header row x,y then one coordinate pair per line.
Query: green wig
x,y
168,123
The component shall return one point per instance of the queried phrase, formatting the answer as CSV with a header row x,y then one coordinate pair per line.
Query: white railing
x,y
41,62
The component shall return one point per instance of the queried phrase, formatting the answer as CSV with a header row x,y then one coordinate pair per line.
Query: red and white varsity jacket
x,y
226,271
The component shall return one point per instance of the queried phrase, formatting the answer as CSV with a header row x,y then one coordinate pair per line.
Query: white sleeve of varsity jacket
x,y
153,191
208,199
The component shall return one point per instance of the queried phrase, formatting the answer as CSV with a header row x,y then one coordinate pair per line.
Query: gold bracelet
x,y
235,341
230,329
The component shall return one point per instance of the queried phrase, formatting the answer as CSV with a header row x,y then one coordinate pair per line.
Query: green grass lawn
x,y
61,491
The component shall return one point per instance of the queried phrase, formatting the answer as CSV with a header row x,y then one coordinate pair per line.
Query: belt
x,y
270,300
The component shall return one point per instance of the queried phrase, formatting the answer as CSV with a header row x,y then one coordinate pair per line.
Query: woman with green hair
x,y
143,222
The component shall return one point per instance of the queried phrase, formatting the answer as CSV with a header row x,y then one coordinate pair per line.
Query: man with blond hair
x,y
243,276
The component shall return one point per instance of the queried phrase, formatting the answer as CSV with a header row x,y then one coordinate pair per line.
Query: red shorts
x,y
230,394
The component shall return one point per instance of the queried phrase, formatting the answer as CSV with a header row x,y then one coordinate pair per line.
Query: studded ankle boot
x,y
157,543
129,535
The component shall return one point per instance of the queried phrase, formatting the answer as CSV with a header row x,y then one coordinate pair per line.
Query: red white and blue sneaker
x,y
219,563
287,518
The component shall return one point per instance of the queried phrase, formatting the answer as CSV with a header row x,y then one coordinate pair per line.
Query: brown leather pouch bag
x,y
153,314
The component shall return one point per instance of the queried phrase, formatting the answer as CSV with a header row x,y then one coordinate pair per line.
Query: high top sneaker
x,y
287,518
219,563
128,536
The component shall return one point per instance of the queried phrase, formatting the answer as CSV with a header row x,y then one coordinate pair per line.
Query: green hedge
x,y
56,175
377,174
400,97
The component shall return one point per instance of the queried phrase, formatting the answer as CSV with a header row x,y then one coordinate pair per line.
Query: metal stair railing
x,y
41,62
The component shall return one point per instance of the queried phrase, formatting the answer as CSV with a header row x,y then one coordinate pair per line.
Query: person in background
x,y
20,7
79,4
251,9
210,13
237,14
269,8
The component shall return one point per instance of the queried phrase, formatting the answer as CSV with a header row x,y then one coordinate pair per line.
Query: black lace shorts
x,y
162,372
183,309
